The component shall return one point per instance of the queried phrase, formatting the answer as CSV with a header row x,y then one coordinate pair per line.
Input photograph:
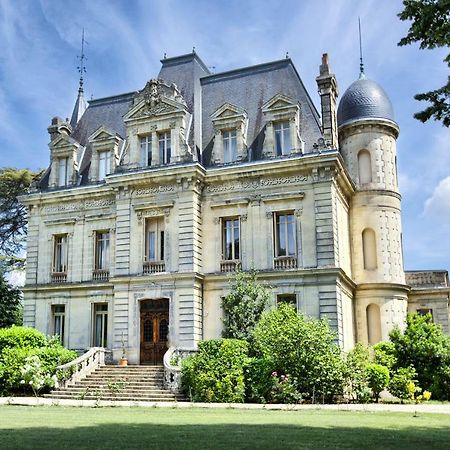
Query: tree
x,y
244,305
424,347
304,348
10,304
13,215
431,28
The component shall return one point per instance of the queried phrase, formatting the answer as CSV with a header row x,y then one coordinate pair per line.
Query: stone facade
x,y
161,194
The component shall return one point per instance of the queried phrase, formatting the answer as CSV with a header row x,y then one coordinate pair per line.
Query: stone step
x,y
117,393
130,398
127,383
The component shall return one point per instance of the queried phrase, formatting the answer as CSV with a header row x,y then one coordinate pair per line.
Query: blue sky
x,y
38,77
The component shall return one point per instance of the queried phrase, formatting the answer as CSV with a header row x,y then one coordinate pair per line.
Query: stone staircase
x,y
130,383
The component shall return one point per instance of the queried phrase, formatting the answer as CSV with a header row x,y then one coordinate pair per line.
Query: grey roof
x,y
364,99
248,88
79,108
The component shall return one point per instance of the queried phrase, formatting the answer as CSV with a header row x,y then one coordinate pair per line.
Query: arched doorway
x,y
154,330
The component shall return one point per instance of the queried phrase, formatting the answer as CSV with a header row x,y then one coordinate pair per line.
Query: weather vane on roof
x,y
81,68
361,64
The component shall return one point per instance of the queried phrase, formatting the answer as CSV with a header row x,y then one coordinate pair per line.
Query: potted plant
x,y
123,360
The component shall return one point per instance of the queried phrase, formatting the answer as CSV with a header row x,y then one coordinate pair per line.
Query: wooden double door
x,y
154,330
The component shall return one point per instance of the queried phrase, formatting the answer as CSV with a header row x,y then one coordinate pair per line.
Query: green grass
x,y
126,428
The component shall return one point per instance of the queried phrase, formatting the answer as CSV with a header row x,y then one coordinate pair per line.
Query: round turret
x,y
363,100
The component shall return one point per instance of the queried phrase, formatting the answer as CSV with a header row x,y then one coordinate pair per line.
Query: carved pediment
x,y
156,99
279,101
102,134
63,141
228,110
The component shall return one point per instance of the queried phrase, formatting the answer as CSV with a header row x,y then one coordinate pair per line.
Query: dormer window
x,y
104,164
63,171
230,127
165,148
282,133
229,146
282,138
146,150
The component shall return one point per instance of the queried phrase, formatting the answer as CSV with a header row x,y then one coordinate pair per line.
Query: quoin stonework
x,y
153,198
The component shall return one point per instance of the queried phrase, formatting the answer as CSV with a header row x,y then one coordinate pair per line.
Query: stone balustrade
x,y
153,267
231,265
172,367
68,374
285,262
59,277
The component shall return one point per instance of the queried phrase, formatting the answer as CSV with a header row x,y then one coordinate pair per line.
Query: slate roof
x,y
364,99
248,88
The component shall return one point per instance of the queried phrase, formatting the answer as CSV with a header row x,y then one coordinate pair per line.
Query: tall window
x,y
164,148
230,239
364,167
285,234
282,138
63,171
59,314
100,331
229,146
104,164
369,249
102,250
154,240
146,150
290,299
60,253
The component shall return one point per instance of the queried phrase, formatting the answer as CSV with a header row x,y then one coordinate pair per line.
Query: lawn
x,y
68,427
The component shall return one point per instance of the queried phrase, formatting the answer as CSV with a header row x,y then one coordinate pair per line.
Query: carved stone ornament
x,y
152,94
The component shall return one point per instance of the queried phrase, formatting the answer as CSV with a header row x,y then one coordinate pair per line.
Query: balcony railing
x,y
285,262
100,275
59,277
154,267
231,265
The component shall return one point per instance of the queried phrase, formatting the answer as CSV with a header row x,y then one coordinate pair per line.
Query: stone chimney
x,y
328,91
57,127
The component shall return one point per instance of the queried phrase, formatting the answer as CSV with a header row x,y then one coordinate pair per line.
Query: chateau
x,y
153,198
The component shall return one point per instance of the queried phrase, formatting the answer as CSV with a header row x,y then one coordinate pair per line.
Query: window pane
x,y
63,166
152,246
281,233
278,143
163,330
291,235
286,139
236,239
148,330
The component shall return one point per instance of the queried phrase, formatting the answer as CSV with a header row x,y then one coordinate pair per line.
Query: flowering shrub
x,y
34,375
216,372
283,389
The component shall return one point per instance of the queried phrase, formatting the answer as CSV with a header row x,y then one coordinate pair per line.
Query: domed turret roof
x,y
364,99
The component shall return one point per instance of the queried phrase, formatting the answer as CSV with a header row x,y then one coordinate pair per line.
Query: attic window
x,y
63,171
104,164
146,150
282,138
229,146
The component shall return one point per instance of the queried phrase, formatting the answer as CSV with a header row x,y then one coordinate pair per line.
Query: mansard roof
x,y
247,88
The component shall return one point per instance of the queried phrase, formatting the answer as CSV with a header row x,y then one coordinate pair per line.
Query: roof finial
x,y
361,64
193,49
287,55
81,68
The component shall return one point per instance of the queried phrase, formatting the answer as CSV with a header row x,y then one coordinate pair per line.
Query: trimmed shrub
x,y
216,372
258,379
377,378
12,361
21,337
384,354
402,381
303,348
425,347
356,386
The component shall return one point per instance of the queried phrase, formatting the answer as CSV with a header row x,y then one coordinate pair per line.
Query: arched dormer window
x,y
364,167
369,245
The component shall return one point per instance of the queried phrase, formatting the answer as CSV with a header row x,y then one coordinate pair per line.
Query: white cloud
x,y
438,205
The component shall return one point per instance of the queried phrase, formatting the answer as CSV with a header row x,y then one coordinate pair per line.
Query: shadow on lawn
x,y
222,436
